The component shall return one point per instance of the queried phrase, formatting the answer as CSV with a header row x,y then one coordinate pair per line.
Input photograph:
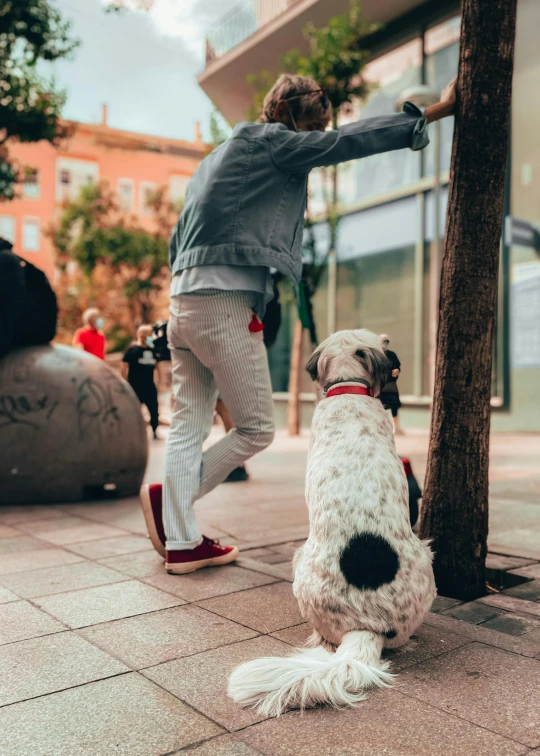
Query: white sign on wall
x,y
525,316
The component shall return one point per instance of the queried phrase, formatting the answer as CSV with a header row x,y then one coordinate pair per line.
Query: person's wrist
x,y
440,110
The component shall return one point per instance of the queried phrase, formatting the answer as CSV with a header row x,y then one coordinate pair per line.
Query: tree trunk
x,y
295,381
456,491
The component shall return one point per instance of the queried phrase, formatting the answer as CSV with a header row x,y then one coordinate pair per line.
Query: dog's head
x,y
350,354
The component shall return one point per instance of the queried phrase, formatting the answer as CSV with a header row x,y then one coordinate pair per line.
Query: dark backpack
x,y
272,318
29,311
37,324
161,347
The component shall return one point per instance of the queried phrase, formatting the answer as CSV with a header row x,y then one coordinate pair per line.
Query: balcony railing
x,y
240,23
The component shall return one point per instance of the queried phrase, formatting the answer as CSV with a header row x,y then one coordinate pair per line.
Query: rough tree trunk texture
x,y
456,490
295,381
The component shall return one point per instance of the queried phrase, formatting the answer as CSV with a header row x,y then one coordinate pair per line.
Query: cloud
x,y
187,20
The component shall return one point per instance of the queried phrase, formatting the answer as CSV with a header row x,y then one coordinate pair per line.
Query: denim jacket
x,y
245,203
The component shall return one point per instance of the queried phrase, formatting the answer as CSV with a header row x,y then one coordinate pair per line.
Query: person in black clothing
x,y
389,395
138,367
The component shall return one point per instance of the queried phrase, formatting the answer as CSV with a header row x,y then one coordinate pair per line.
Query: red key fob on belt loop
x,y
256,326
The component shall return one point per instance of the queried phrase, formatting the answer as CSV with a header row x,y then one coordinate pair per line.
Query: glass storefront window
x,y
390,75
441,47
377,292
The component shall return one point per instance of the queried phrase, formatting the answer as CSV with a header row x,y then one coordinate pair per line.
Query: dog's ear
x,y
313,365
376,363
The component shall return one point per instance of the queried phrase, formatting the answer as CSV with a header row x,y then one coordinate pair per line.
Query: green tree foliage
x,y
336,58
94,232
31,32
219,128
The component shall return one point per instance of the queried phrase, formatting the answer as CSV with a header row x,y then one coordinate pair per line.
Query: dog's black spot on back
x,y
368,561
390,634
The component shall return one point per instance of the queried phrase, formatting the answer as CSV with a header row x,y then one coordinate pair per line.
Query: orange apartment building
x,y
133,164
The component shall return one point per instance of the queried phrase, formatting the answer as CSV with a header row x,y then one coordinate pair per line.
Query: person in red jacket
x,y
91,338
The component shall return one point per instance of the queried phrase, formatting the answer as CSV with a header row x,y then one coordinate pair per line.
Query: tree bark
x,y
295,381
456,491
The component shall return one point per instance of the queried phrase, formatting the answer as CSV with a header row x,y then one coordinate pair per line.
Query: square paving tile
x,y
13,514
473,612
106,602
426,643
386,723
66,530
282,571
490,687
289,549
500,562
66,577
518,645
20,620
7,596
43,665
7,531
512,604
442,603
529,591
21,544
217,581
296,636
531,571
33,560
202,680
224,745
109,547
126,716
516,624
139,565
276,558
157,637
266,609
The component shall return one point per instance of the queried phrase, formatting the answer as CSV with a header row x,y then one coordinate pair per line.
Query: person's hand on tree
x,y
449,95
446,106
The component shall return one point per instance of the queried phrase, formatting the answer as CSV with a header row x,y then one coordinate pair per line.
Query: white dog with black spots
x,y
363,580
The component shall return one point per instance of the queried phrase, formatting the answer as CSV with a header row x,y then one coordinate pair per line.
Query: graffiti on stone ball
x,y
96,410
22,410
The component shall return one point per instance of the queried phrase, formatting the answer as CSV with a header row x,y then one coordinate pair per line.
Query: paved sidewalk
x,y
103,653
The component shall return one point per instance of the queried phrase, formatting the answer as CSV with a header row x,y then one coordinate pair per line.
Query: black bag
x,y
272,318
30,317
161,347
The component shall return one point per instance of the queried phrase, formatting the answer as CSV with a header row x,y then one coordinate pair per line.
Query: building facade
x,y
134,165
394,205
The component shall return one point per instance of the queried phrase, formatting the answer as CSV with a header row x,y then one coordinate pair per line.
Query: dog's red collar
x,y
364,390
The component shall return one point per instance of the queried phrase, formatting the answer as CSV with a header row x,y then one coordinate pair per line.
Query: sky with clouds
x,y
144,65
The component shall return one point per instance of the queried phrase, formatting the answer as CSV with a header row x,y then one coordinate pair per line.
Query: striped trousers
x,y
212,351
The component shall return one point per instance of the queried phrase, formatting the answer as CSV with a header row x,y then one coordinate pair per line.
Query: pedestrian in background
x,y
139,366
90,338
389,396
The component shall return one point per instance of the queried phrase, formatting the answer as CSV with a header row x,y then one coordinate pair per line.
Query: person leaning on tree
x,y
243,215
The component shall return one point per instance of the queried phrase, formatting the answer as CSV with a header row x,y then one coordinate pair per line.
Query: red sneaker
x,y
208,554
152,504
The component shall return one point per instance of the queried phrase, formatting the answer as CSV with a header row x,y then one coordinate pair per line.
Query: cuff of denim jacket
x,y
420,138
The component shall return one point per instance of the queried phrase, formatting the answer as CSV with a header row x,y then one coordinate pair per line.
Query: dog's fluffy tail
x,y
313,676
